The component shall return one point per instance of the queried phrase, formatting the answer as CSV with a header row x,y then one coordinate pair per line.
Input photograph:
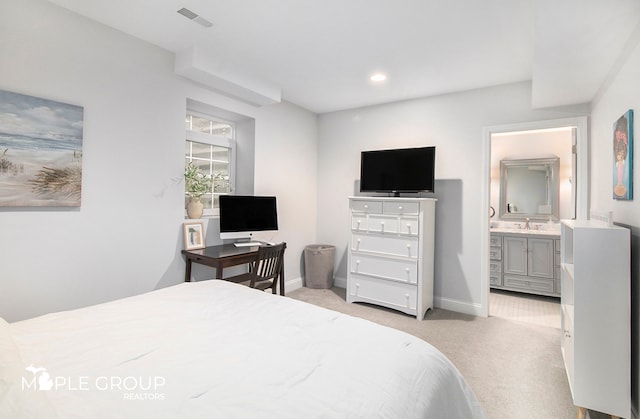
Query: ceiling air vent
x,y
195,17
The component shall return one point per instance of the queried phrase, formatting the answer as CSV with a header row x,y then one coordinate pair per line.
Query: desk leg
x,y
187,271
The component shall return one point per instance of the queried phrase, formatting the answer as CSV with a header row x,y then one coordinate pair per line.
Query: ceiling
x,y
320,54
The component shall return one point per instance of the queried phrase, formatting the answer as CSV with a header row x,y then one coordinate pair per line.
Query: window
x,y
210,146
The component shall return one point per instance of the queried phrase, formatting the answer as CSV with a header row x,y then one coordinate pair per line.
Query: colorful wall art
x,y
623,157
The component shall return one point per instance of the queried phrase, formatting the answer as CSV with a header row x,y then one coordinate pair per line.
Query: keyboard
x,y
247,244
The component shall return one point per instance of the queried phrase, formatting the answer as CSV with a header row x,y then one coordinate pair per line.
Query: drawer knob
x,y
366,206
400,207
407,269
408,246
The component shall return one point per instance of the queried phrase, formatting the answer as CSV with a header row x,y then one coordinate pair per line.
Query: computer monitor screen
x,y
242,216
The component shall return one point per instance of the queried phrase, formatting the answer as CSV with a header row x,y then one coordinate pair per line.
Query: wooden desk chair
x,y
265,269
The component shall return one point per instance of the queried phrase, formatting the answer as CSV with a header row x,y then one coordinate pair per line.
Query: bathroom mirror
x,y
529,189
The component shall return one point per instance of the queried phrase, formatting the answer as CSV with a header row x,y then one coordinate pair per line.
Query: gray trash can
x,y
318,265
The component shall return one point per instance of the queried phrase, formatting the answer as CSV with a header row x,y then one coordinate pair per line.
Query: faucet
x,y
526,223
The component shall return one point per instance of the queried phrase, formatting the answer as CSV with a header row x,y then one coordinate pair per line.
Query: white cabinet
x,y
595,307
528,256
525,262
390,255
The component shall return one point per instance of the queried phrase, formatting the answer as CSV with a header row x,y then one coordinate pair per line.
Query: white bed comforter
x,y
214,349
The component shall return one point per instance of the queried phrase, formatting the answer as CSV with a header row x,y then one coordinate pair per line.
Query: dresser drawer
x,y
400,207
495,253
359,222
382,224
495,241
378,291
389,245
385,224
495,267
387,268
409,225
374,207
528,284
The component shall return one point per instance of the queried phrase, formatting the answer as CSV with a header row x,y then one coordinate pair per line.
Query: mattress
x,y
214,349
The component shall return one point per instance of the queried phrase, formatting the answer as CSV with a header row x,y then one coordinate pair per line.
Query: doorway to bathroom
x,y
518,293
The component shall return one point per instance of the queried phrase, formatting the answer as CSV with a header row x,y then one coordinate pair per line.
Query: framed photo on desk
x,y
193,233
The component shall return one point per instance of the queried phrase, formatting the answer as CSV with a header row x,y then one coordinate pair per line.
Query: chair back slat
x,y
268,264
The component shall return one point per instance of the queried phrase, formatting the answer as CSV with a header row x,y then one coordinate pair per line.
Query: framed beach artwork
x,y
623,157
40,152
193,235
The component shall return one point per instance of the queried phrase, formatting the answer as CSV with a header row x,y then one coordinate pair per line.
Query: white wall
x,y
287,167
454,124
126,237
621,95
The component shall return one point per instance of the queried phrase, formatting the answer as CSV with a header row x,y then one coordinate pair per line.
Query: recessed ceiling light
x,y
378,77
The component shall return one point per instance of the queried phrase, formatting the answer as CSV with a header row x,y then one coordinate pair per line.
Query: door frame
x,y
582,183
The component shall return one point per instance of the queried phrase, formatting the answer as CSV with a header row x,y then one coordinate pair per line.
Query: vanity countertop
x,y
535,232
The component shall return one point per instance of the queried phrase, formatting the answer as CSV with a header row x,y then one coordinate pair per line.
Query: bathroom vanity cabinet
x,y
527,261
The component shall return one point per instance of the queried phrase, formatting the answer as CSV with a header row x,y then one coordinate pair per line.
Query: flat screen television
x,y
242,216
398,170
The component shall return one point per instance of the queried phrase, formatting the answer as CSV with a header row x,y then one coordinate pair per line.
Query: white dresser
x,y
390,257
596,340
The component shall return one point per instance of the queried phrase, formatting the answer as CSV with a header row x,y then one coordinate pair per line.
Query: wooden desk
x,y
222,256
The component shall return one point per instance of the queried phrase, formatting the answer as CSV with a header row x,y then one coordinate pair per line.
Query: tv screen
x,y
398,170
243,215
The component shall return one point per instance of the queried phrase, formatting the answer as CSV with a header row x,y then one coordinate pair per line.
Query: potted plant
x,y
196,185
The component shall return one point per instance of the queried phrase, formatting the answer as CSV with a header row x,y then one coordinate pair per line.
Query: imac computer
x,y
243,216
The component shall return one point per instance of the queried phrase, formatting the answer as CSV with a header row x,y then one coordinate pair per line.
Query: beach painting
x,y
40,152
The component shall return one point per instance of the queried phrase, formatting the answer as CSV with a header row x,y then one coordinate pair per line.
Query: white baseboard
x,y
340,282
292,284
464,307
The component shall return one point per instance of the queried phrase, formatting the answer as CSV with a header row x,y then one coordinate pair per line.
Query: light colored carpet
x,y
514,368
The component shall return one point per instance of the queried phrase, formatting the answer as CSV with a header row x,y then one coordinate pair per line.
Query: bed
x,y
215,349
